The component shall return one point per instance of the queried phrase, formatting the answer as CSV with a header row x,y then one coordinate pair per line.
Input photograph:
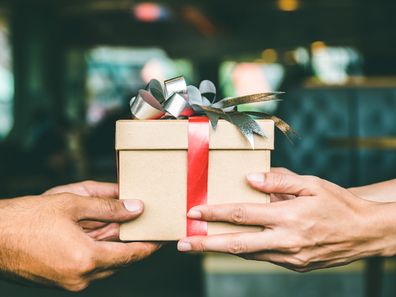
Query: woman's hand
x,y
275,197
42,238
325,225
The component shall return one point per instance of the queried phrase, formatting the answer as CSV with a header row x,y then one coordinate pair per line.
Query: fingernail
x,y
183,246
133,205
194,214
257,178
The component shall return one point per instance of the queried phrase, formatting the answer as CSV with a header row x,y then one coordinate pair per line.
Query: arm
x,y
381,192
323,226
68,239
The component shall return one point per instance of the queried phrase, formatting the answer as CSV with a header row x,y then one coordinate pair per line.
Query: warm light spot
x,y
249,78
318,45
147,12
269,55
288,5
154,68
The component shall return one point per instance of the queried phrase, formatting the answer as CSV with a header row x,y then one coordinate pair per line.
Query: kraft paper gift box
x,y
153,166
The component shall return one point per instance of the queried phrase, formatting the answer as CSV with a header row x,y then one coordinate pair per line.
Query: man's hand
x,y
98,230
42,238
323,226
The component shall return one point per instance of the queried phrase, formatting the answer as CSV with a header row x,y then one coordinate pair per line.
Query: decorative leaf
x,y
279,123
246,124
213,118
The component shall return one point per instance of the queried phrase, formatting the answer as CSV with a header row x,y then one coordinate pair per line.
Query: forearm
x,y
381,228
381,192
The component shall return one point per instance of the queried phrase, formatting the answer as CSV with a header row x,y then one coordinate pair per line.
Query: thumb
x,y
280,183
107,210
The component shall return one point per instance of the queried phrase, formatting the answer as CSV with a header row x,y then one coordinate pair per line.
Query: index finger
x,y
238,243
119,254
259,214
101,189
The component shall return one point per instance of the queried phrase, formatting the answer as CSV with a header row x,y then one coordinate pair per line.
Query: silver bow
x,y
177,100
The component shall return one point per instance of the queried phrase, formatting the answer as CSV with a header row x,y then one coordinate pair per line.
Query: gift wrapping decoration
x,y
200,106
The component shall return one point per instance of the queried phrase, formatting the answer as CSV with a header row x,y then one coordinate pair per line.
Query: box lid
x,y
173,135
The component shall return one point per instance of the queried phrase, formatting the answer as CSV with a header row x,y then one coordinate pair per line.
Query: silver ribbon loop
x,y
155,88
175,105
175,85
176,99
208,91
145,106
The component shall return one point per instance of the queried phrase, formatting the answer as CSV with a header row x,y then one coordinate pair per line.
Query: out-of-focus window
x,y
318,64
335,65
116,74
6,79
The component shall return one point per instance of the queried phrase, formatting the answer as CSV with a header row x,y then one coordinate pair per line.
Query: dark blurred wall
x,y
37,54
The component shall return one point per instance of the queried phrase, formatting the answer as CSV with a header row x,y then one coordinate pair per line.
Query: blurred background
x,y
69,67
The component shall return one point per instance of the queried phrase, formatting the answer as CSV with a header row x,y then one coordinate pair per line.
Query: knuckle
x,y
64,201
238,215
202,246
301,270
294,250
236,246
315,181
76,286
208,214
66,198
300,263
82,263
274,180
292,245
87,266
110,205
88,183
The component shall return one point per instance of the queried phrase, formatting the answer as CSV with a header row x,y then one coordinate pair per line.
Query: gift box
x,y
158,163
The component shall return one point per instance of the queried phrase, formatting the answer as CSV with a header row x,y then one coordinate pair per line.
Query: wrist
x,y
356,191
5,254
381,226
366,193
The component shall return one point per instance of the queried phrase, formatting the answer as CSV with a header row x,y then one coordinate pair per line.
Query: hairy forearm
x,y
381,192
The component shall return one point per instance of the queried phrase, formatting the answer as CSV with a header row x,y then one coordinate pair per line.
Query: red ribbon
x,y
197,175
